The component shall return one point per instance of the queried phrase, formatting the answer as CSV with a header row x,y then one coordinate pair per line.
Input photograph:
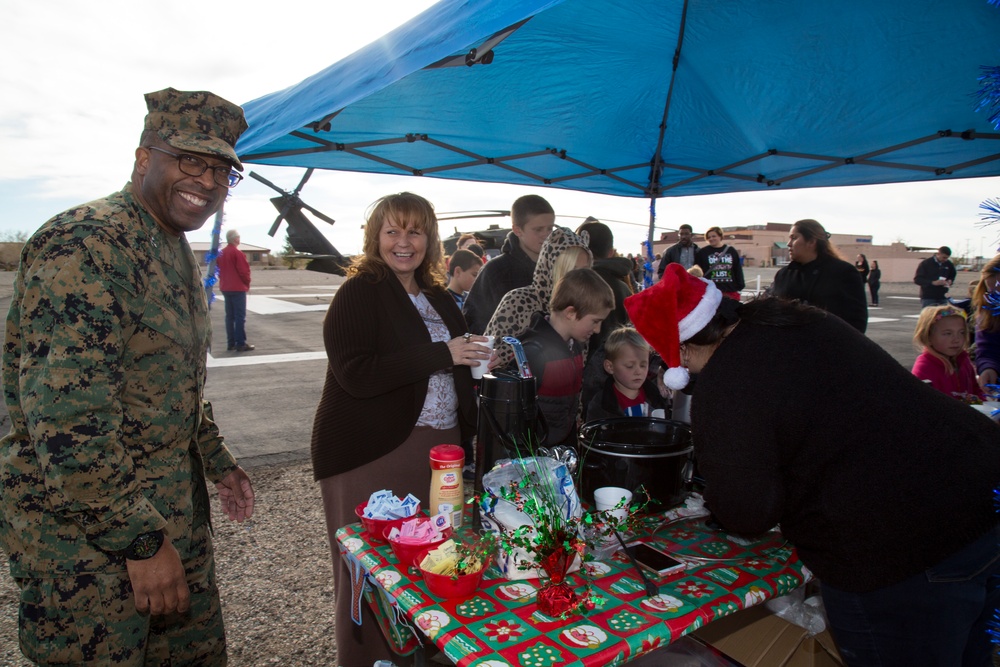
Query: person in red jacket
x,y
234,283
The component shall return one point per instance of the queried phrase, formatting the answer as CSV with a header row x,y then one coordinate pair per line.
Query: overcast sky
x,y
71,111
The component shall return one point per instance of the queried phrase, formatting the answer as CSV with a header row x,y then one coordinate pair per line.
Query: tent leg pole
x,y
648,268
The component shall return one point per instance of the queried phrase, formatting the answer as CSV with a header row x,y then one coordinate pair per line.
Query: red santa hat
x,y
672,311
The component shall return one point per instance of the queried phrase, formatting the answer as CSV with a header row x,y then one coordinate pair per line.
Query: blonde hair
x,y
717,230
621,338
566,261
585,291
696,271
922,334
986,320
406,211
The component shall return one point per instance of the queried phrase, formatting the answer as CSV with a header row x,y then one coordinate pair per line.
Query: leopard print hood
x,y
560,239
513,314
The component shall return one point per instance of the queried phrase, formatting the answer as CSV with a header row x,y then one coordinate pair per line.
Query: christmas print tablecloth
x,y
500,626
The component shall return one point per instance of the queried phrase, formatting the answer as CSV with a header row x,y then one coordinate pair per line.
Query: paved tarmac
x,y
264,400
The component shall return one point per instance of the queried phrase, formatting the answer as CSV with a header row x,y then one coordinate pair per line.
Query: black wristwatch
x,y
145,546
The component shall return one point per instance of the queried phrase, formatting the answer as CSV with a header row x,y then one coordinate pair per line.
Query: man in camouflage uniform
x,y
103,499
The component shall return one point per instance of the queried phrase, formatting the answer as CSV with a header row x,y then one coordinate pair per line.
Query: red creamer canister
x,y
447,495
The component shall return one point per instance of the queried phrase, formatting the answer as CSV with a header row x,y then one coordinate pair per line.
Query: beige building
x,y
256,255
767,245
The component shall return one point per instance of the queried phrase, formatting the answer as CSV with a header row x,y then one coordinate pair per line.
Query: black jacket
x,y
673,256
380,358
604,405
617,273
828,283
513,268
558,372
870,491
930,270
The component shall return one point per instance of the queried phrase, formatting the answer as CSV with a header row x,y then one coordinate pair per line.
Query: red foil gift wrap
x,y
554,600
555,563
556,597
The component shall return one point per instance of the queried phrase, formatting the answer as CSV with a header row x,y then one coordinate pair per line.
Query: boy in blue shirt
x,y
463,269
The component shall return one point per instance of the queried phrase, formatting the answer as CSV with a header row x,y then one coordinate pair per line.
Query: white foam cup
x,y
608,497
480,370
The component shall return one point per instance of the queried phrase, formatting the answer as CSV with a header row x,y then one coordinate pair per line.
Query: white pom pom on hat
x,y
676,377
671,312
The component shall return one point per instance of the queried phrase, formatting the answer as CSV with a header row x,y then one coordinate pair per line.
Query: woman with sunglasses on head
x,y
819,276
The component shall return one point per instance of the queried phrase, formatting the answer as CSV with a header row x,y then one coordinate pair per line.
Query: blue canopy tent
x,y
651,99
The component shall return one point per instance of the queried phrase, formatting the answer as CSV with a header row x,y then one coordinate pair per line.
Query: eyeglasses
x,y
192,165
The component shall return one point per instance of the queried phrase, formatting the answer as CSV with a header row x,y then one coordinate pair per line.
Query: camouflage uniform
x,y
103,373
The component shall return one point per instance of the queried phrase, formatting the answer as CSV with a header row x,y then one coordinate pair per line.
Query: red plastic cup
x,y
445,585
405,553
377,529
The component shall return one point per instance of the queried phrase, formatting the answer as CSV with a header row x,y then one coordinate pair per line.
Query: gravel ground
x,y
274,575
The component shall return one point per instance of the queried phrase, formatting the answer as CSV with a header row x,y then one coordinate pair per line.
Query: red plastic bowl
x,y
378,528
405,553
444,585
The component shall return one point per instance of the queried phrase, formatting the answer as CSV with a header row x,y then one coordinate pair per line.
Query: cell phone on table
x,y
654,559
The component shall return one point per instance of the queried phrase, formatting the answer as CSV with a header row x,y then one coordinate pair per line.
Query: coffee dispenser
x,y
509,420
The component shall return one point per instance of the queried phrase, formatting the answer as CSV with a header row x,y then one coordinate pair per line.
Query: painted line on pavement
x,y
276,305
258,359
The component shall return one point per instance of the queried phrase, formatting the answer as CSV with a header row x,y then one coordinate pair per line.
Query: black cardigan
x,y
380,358
828,283
873,475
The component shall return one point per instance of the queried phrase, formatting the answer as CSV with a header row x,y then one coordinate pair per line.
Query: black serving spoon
x,y
651,588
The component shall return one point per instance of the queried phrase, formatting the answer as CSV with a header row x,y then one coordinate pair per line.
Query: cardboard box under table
x,y
500,624
757,638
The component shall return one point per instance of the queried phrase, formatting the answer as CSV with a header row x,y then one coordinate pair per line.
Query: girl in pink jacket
x,y
942,334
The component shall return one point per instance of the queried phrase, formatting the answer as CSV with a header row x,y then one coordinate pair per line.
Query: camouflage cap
x,y
196,121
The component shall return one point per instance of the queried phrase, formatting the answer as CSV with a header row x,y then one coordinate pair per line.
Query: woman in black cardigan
x,y
397,383
819,277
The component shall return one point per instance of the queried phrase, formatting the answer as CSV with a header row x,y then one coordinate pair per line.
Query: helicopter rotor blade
x,y
277,222
255,175
319,214
305,178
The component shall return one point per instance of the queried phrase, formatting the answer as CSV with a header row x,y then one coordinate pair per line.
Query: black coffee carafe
x,y
510,423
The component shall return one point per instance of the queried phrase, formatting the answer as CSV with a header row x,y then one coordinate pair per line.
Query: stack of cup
x,y
480,370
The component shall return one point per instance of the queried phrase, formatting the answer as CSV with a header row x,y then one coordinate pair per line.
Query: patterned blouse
x,y
440,409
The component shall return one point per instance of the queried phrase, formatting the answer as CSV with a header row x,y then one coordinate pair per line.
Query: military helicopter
x,y
307,241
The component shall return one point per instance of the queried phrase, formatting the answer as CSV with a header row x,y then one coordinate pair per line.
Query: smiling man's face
x,y
180,203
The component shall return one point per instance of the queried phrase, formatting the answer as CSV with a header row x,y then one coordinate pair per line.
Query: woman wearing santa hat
x,y
889,503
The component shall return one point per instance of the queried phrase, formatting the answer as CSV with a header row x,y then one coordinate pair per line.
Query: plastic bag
x,y
807,613
550,484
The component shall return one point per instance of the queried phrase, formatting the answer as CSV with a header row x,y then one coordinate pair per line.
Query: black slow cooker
x,y
634,452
